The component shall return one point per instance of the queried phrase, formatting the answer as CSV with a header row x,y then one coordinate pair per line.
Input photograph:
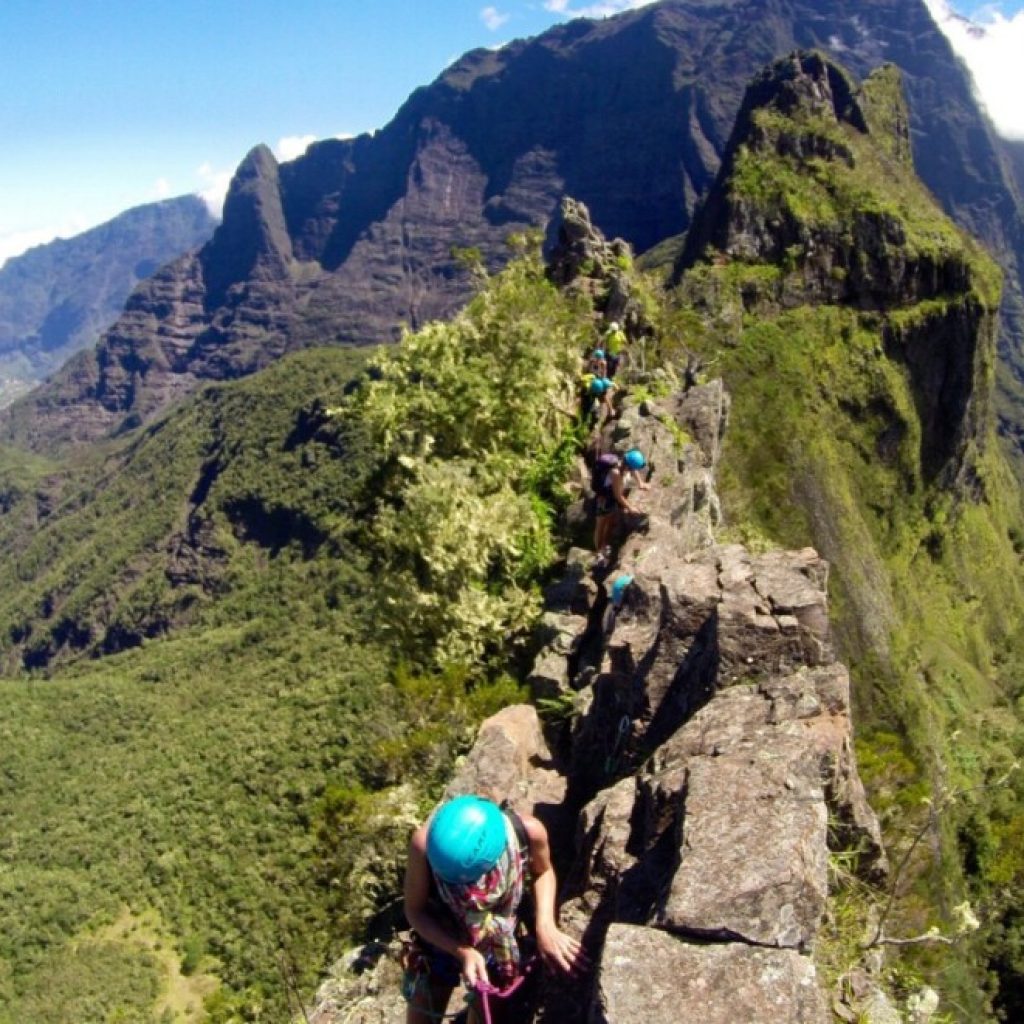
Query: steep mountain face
x,y
798,191
856,328
631,115
58,298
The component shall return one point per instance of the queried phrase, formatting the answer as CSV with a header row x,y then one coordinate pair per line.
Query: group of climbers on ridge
x,y
600,367
613,476
472,864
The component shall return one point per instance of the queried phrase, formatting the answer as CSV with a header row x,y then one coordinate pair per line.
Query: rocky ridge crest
x,y
710,747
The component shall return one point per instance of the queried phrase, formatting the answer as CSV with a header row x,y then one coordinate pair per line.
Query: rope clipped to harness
x,y
486,991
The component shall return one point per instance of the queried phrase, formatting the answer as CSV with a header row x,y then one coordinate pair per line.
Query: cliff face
x,y
817,182
631,115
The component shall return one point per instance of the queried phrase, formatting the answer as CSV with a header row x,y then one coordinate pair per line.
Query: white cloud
x,y
493,18
992,47
213,187
161,188
292,146
598,10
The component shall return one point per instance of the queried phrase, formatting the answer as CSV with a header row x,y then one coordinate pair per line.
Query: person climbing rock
x,y
597,364
613,480
614,347
601,390
470,867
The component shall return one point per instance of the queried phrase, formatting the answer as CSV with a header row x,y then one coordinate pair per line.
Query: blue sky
x,y
111,103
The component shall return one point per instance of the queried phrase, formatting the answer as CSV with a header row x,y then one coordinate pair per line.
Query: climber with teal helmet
x,y
598,363
611,490
600,394
469,867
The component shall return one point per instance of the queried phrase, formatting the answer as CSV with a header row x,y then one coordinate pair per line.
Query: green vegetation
x,y
840,436
461,414
306,586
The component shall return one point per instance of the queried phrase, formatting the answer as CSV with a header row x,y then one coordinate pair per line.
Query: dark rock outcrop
x,y
631,115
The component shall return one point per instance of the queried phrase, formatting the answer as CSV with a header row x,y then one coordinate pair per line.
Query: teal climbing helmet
x,y
598,353
465,839
619,588
599,385
634,458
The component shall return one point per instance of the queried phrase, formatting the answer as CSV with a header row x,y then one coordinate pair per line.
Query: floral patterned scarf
x,y
488,906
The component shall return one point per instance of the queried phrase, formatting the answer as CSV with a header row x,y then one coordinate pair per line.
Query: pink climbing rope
x,y
486,991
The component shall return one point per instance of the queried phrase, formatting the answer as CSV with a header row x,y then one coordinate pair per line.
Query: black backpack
x,y
600,475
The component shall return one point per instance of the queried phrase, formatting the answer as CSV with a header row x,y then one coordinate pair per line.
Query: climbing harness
x,y
483,992
418,972
410,987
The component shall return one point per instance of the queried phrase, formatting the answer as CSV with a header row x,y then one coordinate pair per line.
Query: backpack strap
x,y
521,834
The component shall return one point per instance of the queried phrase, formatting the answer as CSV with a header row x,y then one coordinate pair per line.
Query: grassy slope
x,y
182,775
826,445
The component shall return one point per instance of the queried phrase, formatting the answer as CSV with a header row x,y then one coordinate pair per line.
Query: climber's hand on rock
x,y
561,952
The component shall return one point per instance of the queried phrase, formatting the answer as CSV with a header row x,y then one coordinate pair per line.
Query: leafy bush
x,y
462,416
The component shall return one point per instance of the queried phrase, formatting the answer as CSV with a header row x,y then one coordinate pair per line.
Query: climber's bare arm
x,y
417,913
557,949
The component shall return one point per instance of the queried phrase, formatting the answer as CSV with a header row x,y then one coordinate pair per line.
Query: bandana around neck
x,y
487,907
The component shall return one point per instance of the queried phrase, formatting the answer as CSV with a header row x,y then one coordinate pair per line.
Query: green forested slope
x,y
855,328
297,581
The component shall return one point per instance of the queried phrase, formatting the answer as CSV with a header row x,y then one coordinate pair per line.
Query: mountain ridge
x,y
57,298
630,115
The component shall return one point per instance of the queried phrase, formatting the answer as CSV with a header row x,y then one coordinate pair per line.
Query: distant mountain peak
x,y
631,115
56,299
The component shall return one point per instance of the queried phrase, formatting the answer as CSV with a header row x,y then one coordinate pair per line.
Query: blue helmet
x,y
466,838
619,589
599,385
634,458
598,353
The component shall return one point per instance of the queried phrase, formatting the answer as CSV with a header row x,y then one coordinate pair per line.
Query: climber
x,y
469,866
614,346
597,364
614,478
600,391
